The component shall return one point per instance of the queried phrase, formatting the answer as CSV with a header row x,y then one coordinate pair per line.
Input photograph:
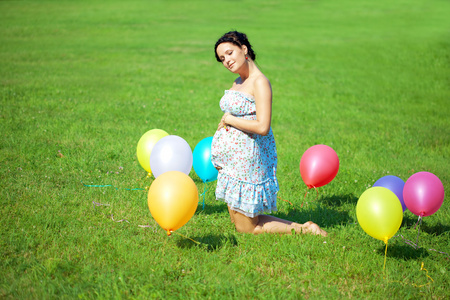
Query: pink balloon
x,y
423,194
319,165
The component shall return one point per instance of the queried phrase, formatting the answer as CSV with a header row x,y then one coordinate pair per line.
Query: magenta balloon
x,y
423,194
319,165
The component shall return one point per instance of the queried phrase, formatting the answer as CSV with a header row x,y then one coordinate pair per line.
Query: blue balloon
x,y
203,166
395,185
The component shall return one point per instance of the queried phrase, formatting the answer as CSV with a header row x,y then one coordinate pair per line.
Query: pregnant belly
x,y
234,151
219,149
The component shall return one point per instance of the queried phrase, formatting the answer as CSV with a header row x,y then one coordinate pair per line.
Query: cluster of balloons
x,y
173,195
159,152
380,208
319,165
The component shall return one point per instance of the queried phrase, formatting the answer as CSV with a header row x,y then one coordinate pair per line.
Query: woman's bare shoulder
x,y
261,82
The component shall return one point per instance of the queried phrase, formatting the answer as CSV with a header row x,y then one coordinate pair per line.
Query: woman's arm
x,y
263,99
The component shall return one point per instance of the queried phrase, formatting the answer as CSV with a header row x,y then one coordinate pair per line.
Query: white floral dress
x,y
247,181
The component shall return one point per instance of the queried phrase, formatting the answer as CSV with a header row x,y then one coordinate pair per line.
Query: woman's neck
x,y
248,71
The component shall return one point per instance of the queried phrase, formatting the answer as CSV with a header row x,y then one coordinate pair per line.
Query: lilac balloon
x,y
171,153
395,185
423,194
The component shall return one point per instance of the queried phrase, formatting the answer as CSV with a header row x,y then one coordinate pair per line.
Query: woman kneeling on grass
x,y
243,147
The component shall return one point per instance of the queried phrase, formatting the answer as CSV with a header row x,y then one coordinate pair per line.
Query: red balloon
x,y
319,165
423,194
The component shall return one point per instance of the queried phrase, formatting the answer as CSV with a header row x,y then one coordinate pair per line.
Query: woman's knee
x,y
244,228
243,223
231,212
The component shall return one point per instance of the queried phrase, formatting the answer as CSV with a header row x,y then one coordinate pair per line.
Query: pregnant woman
x,y
243,147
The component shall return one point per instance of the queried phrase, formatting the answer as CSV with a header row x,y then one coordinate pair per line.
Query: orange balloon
x,y
172,200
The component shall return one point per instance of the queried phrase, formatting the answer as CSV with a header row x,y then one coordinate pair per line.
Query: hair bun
x,y
237,38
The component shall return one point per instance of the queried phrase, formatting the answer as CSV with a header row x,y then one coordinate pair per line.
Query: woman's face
x,y
232,56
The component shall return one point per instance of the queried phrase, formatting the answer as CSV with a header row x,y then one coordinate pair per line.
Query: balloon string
x,y
317,196
441,252
415,246
416,285
169,232
122,220
198,243
204,193
428,276
205,183
98,204
385,255
418,231
286,201
109,185
411,243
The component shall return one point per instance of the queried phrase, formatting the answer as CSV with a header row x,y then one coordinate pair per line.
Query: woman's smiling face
x,y
231,56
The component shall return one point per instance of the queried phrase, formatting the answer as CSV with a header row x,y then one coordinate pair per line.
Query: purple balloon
x,y
423,194
395,185
171,153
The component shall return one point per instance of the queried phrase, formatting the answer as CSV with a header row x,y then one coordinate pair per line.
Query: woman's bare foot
x,y
313,228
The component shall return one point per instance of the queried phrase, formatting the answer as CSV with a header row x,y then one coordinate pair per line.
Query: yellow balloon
x,y
379,212
145,146
172,200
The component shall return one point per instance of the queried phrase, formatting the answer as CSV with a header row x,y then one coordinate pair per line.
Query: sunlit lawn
x,y
82,81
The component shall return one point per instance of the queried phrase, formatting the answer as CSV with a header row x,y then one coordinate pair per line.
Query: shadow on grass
x,y
212,207
322,216
339,200
408,220
312,211
435,229
404,252
209,242
327,215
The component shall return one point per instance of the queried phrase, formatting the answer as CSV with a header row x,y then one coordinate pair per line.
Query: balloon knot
x,y
169,232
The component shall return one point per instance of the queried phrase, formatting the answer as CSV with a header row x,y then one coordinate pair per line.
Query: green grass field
x,y
81,81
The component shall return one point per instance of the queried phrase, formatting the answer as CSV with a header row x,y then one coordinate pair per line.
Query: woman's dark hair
x,y
237,38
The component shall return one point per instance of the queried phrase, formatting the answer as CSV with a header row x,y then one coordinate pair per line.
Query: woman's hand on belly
x,y
222,123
